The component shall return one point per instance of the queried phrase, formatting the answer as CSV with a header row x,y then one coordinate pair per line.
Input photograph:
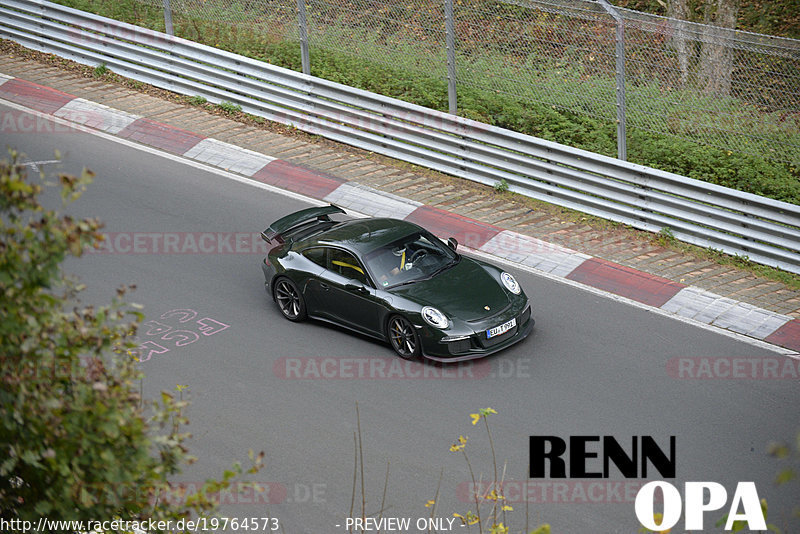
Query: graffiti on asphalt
x,y
175,328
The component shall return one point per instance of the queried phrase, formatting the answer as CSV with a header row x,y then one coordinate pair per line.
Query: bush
x,y
75,439
674,154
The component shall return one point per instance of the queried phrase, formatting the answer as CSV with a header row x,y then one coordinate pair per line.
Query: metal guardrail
x,y
765,230
708,85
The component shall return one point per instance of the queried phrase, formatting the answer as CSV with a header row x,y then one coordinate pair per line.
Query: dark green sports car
x,y
395,281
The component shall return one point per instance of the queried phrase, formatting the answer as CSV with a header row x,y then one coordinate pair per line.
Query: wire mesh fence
x,y
724,88
406,35
272,20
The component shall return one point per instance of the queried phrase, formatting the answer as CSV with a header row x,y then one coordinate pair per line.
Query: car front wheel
x,y
403,337
290,300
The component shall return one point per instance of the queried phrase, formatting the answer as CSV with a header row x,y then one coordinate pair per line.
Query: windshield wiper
x,y
444,267
434,273
407,282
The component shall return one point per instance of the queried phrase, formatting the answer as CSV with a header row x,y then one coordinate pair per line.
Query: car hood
x,y
463,291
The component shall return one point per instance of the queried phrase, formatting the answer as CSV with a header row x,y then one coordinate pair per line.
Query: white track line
x,y
241,179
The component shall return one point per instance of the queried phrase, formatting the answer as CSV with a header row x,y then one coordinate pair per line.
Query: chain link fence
x,y
729,89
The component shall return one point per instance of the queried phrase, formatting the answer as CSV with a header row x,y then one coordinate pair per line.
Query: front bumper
x,y
469,346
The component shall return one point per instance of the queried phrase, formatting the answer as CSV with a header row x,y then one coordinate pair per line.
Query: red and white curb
x,y
650,290
369,201
96,116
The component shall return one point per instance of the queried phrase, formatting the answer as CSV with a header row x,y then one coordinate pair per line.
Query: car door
x,y
312,291
347,296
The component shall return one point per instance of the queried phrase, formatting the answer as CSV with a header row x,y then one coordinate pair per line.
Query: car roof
x,y
364,235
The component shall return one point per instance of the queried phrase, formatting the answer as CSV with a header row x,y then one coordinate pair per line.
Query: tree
x,y
679,11
717,54
715,62
76,440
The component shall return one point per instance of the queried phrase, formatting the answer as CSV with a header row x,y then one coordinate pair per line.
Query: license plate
x,y
502,329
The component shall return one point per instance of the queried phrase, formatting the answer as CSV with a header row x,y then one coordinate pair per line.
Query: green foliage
x,y
76,440
197,100
501,186
518,111
229,107
665,236
776,17
100,70
718,166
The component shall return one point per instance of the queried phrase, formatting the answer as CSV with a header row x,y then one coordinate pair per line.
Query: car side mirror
x,y
452,243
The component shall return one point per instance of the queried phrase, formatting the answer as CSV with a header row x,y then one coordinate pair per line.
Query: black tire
x,y
289,299
403,337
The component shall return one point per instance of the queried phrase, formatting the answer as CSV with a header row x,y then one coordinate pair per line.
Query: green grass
x,y
100,70
512,107
229,108
501,186
196,100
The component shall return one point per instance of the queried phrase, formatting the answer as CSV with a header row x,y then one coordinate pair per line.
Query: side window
x,y
317,255
346,264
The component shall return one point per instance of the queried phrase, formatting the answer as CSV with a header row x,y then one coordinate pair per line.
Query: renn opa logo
x,y
592,456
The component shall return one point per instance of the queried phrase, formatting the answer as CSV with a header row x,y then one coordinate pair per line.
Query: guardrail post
x,y
622,144
168,18
450,43
707,215
303,26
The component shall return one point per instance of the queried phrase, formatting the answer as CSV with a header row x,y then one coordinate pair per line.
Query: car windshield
x,y
418,256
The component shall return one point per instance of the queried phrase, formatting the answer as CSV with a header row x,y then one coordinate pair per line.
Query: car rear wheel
x,y
290,300
403,337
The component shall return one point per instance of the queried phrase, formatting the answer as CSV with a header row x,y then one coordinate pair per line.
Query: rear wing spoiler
x,y
281,229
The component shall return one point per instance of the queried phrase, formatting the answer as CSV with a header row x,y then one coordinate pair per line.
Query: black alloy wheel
x,y
403,337
290,300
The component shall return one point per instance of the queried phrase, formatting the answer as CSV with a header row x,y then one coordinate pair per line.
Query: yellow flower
x,y
494,496
470,518
659,519
462,441
483,412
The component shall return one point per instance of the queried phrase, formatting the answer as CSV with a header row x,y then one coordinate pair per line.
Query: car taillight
x,y
266,261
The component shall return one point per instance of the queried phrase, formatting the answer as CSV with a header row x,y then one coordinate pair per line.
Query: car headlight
x,y
434,317
510,282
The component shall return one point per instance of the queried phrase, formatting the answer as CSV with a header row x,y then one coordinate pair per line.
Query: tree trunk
x,y
717,54
679,11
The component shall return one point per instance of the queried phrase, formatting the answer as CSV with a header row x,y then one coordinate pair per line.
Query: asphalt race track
x,y
595,365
